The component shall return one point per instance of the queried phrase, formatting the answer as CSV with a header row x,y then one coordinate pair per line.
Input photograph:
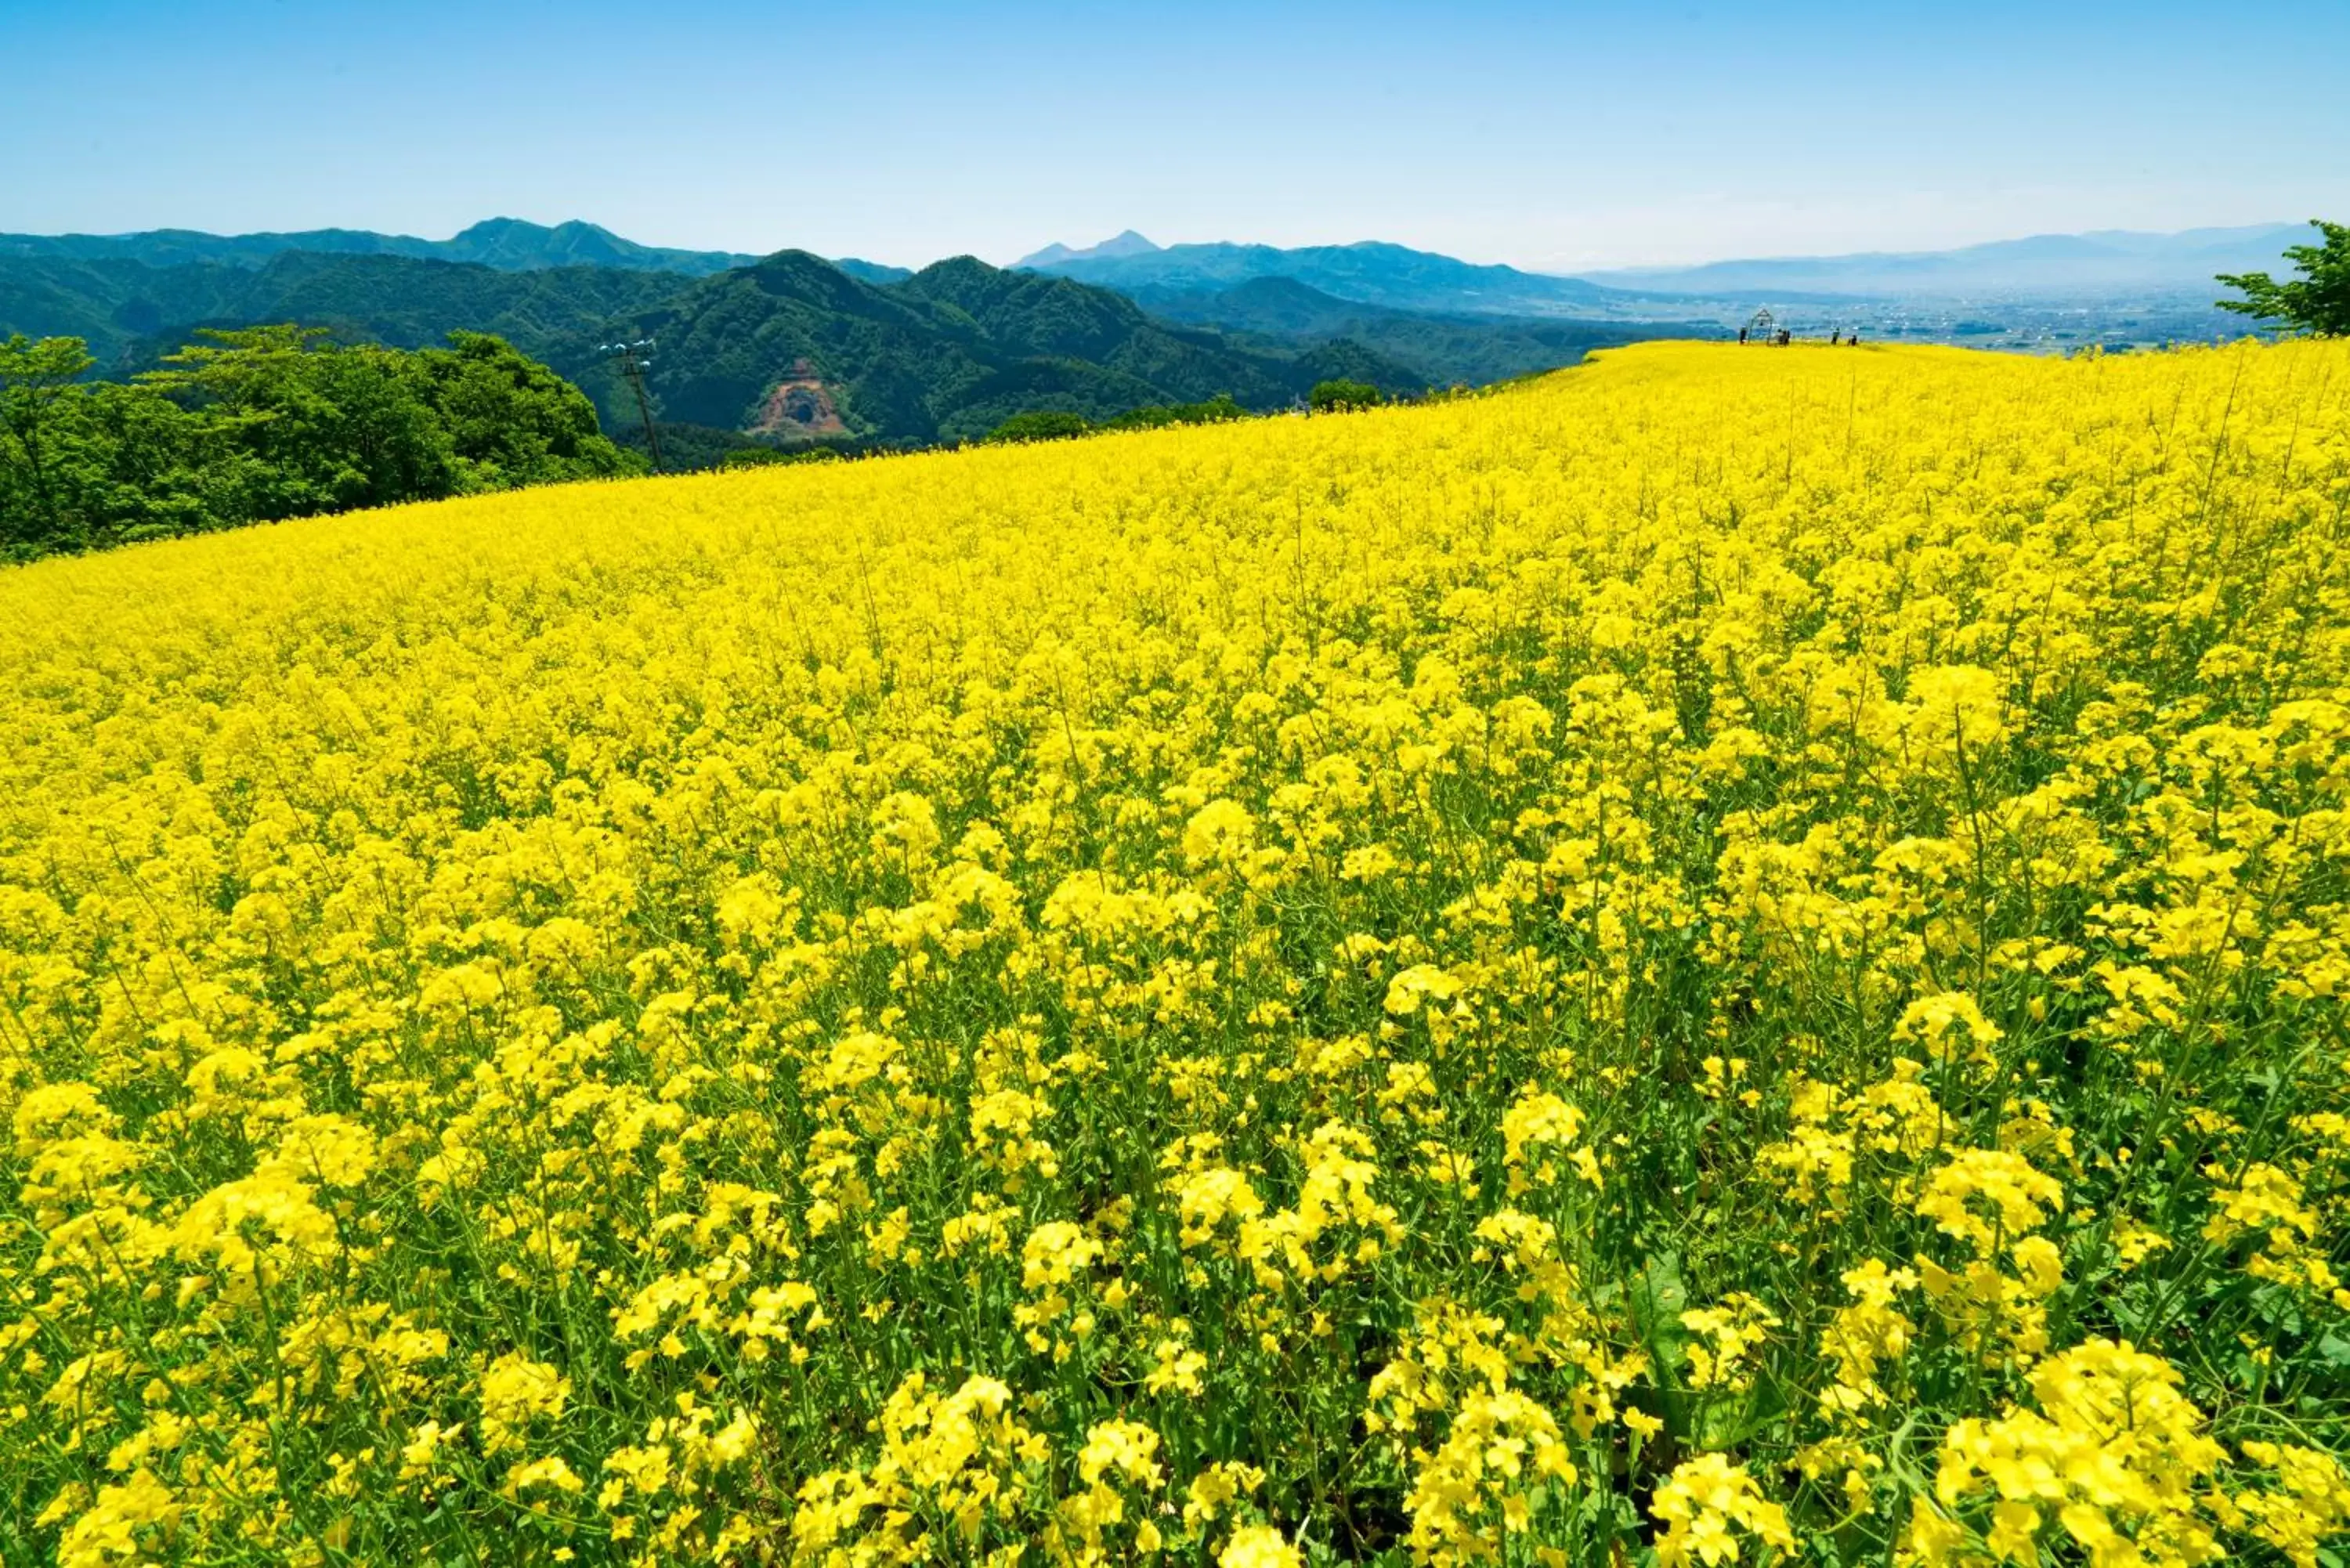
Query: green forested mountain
x,y
508,244
795,347
109,304
129,311
872,272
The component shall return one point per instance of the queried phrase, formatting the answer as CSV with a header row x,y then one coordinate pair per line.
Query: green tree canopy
x,y
1217,409
272,422
511,421
34,458
1046,424
2318,302
1336,397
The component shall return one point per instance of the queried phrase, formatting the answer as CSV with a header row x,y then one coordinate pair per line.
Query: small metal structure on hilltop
x,y
1762,325
634,358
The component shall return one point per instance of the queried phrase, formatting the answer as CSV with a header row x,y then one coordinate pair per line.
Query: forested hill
x,y
793,345
129,312
510,245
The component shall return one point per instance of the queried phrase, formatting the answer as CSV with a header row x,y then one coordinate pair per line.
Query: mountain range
x,y
1396,277
129,311
2108,262
2104,262
2049,293
791,348
1370,272
509,244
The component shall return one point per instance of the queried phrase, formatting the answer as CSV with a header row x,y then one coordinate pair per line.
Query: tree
x,y
757,456
1338,396
34,379
341,427
1046,424
1218,410
269,422
512,421
369,426
2319,302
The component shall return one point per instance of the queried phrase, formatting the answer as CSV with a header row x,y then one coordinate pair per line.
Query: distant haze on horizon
x,y
1555,138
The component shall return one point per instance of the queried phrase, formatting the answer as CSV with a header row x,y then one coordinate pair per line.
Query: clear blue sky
x,y
1556,135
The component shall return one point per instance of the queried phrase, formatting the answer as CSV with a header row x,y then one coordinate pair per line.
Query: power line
x,y
634,360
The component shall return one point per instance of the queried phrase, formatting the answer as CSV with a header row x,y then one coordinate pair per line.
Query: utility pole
x,y
634,360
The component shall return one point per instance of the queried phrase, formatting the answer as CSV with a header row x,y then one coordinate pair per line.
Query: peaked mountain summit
x,y
514,244
1128,244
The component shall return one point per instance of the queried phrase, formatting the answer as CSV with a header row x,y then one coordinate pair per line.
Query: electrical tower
x,y
634,360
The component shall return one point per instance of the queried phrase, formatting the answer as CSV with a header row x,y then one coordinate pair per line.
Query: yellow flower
x,y
125,1521
1982,1194
550,1471
1259,1546
1055,1253
1703,1505
2113,1443
1128,1448
514,1393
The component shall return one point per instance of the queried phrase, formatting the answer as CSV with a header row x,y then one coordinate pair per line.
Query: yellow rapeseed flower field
x,y
1732,956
